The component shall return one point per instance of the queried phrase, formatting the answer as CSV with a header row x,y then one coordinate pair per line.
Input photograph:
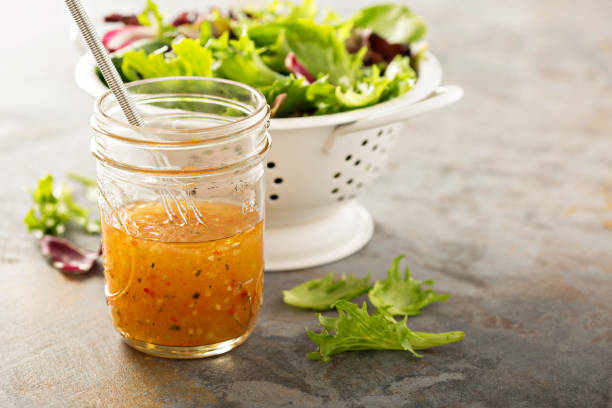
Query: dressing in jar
x,y
181,202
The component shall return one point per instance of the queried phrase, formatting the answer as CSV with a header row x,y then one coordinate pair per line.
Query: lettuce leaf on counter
x,y
354,329
407,296
322,294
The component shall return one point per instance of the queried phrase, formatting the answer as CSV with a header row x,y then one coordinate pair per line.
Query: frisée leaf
x,y
321,294
354,329
395,22
190,59
407,296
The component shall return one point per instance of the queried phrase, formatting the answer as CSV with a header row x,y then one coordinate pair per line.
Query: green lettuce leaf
x,y
191,59
282,10
322,95
151,16
239,60
407,296
317,47
365,92
321,294
295,96
354,329
394,22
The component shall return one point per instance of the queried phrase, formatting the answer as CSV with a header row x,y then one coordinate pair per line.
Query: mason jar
x,y
182,208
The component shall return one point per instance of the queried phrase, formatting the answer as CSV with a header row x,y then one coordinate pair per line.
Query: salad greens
x,y
322,294
189,59
394,22
54,210
355,329
151,16
407,296
299,58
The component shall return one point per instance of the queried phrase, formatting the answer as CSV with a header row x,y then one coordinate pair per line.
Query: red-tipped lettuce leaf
x,y
66,256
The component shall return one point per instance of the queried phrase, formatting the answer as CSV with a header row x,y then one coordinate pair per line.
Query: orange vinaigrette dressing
x,y
172,283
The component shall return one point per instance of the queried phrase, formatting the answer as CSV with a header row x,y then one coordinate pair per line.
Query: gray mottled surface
x,y
504,199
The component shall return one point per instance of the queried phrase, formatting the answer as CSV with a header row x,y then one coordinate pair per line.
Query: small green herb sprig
x,y
55,208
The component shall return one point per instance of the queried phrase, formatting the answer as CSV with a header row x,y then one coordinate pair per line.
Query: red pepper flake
x,y
150,292
174,319
217,252
167,283
244,294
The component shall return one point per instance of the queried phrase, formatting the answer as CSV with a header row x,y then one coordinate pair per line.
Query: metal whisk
x,y
127,105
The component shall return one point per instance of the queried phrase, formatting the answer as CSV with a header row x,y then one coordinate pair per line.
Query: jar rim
x,y
225,129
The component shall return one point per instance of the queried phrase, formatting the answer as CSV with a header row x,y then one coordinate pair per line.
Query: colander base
x,y
318,242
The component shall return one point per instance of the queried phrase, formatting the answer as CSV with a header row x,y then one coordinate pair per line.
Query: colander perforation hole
x,y
271,165
359,185
380,133
365,142
357,162
273,197
349,181
278,180
348,157
341,198
335,190
337,175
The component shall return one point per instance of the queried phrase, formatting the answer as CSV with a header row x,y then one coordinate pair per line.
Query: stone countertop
x,y
504,199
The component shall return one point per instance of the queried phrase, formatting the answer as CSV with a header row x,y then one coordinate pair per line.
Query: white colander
x,y
318,165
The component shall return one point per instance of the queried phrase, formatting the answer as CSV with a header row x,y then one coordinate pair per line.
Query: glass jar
x,y
182,208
